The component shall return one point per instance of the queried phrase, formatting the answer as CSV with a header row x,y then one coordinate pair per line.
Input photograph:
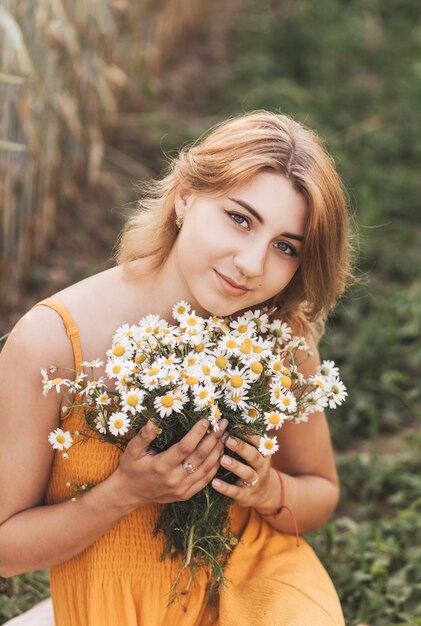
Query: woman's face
x,y
238,250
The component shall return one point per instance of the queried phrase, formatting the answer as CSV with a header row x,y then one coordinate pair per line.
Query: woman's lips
x,y
230,288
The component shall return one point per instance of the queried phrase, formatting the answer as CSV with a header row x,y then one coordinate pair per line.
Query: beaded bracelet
x,y
282,507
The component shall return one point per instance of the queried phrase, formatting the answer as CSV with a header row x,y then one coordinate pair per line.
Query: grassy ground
x,y
350,70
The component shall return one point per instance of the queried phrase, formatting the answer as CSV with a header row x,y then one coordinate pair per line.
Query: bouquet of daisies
x,y
245,370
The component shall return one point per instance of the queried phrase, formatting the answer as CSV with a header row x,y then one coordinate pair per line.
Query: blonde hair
x,y
227,158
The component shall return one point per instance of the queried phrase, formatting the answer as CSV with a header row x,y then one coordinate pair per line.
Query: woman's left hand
x,y
254,486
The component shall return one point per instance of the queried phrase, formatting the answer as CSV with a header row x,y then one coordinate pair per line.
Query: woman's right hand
x,y
144,476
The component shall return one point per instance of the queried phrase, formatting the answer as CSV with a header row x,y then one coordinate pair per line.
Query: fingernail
x,y
216,483
223,424
204,422
226,460
224,437
232,442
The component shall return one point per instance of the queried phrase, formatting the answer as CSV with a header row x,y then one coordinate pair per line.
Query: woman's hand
x,y
256,485
144,476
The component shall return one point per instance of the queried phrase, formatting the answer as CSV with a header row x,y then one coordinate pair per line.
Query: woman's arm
x,y
33,536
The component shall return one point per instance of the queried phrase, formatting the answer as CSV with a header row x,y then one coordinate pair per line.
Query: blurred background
x,y
94,96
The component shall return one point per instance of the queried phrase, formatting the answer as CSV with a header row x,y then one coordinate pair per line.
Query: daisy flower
x,y
327,369
281,330
237,402
215,416
274,419
243,327
101,424
131,400
60,439
92,386
268,445
229,345
76,384
238,381
94,363
281,397
316,401
262,348
168,403
103,399
204,396
58,383
119,423
251,414
180,309
336,392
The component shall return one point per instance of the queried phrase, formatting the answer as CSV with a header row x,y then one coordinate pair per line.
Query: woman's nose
x,y
250,260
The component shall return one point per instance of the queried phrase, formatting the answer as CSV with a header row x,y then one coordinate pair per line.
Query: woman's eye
x,y
239,219
285,248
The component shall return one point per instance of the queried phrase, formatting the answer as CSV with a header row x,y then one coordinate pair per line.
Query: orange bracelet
x,y
284,506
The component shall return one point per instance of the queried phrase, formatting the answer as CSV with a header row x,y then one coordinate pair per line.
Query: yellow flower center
x,y
116,369
286,401
277,392
60,438
119,350
153,371
236,399
217,414
236,382
277,366
206,370
257,349
191,380
103,397
57,381
191,361
203,394
285,371
245,348
268,444
139,358
231,343
181,310
320,383
132,400
221,362
274,418
286,381
118,423
252,413
167,402
199,347
191,321
242,328
256,367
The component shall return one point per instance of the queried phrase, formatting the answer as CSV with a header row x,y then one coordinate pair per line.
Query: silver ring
x,y
189,467
253,482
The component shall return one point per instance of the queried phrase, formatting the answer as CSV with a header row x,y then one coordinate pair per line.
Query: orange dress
x,y
120,581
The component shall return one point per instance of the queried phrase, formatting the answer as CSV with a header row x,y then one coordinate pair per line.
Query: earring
x,y
179,221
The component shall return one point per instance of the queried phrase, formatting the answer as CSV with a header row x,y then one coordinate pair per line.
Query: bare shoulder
x,y
38,338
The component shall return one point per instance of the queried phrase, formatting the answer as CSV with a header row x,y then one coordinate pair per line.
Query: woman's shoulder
x,y
41,331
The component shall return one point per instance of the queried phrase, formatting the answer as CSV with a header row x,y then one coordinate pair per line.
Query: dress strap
x,y
71,328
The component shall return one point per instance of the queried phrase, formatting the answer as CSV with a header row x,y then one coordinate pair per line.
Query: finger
x,y
181,450
231,490
139,444
245,473
208,443
247,451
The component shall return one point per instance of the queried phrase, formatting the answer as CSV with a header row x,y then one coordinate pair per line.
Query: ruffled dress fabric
x,y
120,579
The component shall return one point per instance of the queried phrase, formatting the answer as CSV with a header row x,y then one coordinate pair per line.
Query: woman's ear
x,y
183,201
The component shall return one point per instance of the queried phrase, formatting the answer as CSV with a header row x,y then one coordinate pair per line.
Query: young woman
x,y
253,214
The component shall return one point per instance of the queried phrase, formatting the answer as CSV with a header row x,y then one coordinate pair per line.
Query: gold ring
x,y
189,467
253,482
